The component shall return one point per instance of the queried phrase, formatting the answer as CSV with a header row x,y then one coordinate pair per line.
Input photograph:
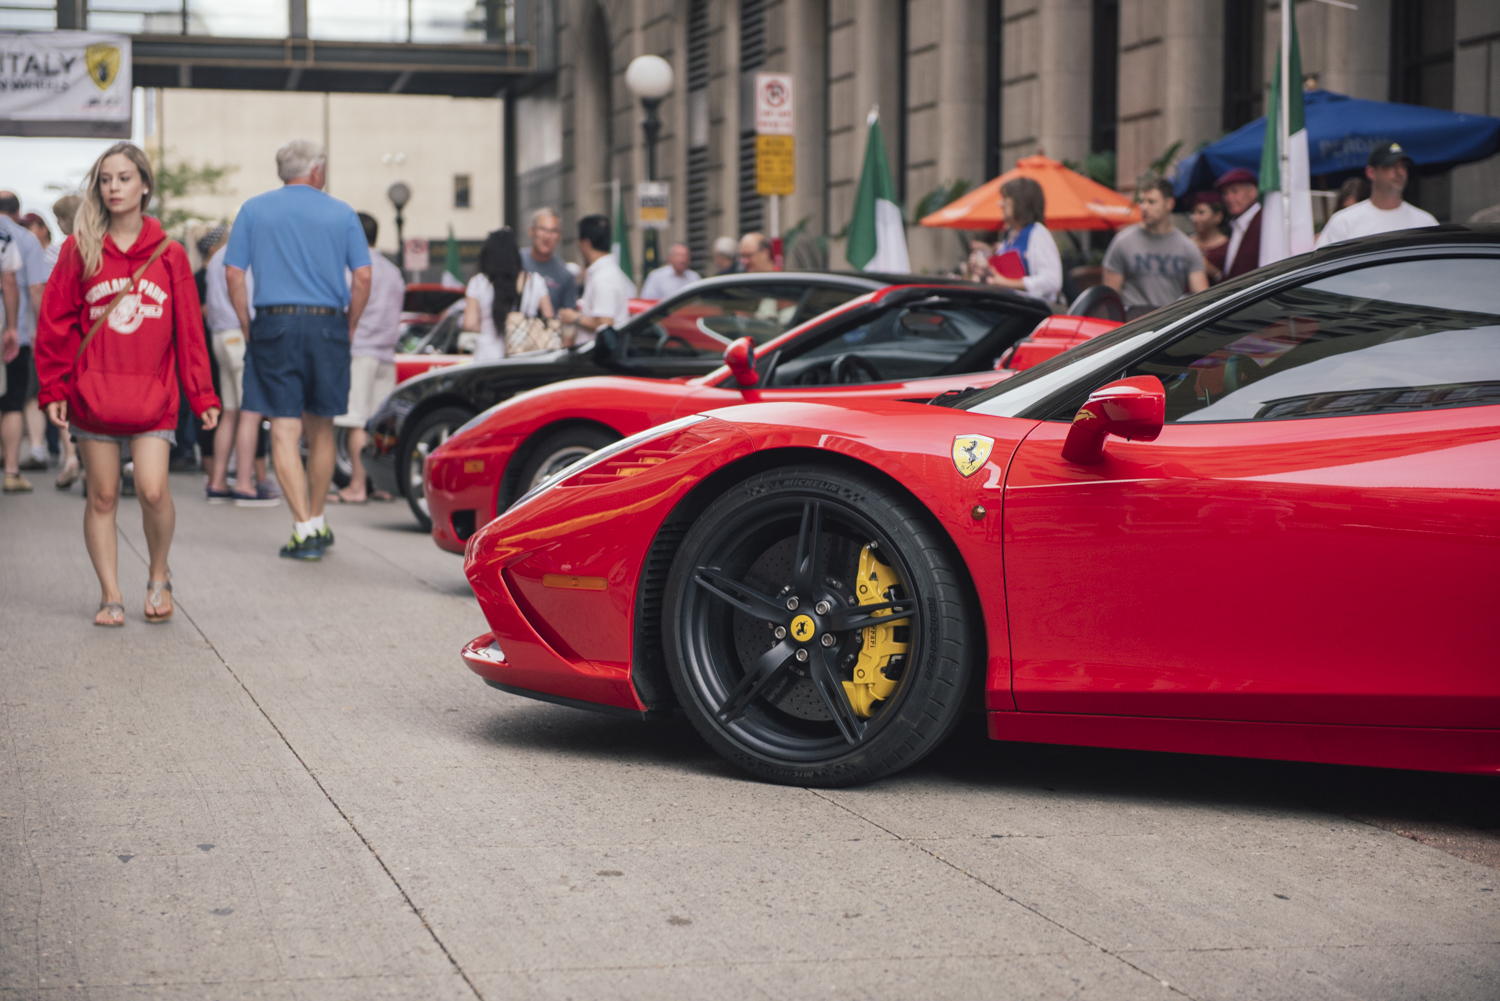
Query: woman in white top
x,y
484,311
1024,205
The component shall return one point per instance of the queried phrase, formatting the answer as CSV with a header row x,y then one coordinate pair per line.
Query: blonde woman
x,y
119,330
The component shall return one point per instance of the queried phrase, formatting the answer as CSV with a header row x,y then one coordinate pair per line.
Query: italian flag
x,y
620,247
1273,233
453,272
877,236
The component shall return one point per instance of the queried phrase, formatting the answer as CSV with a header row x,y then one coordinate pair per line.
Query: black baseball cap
x,y
1387,154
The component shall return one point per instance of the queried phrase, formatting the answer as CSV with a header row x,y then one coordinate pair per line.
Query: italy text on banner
x,y
1273,230
877,237
65,83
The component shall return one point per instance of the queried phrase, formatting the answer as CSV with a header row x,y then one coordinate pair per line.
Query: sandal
x,y
116,612
154,589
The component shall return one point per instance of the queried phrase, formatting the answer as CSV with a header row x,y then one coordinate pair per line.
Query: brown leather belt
x,y
306,310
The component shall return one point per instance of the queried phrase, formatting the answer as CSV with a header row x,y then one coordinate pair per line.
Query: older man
x,y
1384,211
726,256
1240,189
299,242
540,258
671,278
755,253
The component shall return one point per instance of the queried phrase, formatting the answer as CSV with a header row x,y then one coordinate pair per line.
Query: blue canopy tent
x,y
1342,130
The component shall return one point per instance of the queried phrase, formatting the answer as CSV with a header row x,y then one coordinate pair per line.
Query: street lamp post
x,y
399,194
650,79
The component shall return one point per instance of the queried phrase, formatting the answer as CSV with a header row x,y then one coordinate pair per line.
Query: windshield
x,y
1014,397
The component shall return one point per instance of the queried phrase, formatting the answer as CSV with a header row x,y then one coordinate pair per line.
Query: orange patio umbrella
x,y
1073,201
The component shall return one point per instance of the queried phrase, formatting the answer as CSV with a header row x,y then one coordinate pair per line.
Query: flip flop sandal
x,y
115,608
154,589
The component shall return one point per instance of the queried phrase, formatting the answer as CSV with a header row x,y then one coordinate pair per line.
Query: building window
x,y
752,58
1423,35
460,191
1244,73
994,38
697,156
1105,103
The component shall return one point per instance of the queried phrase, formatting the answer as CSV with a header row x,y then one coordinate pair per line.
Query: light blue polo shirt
x,y
298,241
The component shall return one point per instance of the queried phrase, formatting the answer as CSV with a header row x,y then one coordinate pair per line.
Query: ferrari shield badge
x,y
970,452
103,62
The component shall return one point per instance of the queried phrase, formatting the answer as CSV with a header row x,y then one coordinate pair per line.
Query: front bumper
x,y
463,488
485,658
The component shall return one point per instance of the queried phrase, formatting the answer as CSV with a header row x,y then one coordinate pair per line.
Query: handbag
x,y
117,409
529,333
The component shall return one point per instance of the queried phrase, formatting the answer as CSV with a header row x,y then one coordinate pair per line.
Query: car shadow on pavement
x,y
578,733
1431,807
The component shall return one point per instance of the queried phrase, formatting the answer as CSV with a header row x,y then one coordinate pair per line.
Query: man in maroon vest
x,y
1240,189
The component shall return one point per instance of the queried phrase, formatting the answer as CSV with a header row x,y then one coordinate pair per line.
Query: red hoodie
x,y
150,341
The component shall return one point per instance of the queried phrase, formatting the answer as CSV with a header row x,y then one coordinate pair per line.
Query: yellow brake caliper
x,y
870,683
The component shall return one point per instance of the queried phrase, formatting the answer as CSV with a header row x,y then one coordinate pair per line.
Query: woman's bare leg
x,y
158,515
101,463
224,439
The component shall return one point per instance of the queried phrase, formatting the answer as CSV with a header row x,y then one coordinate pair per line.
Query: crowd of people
x,y
292,321
1153,262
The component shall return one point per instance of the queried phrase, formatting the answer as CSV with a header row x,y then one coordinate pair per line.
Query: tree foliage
x,y
180,180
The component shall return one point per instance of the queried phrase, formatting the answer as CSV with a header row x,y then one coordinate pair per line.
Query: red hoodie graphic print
x,y
127,381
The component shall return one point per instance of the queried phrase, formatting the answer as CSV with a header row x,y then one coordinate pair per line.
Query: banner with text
x,y
65,83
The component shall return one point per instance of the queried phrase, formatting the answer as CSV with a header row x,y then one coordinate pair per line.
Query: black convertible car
x,y
681,337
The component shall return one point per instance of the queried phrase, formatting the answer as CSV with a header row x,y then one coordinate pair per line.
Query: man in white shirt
x,y
607,290
372,360
670,279
1384,211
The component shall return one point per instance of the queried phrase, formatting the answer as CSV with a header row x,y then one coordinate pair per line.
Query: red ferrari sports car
x,y
1260,522
909,342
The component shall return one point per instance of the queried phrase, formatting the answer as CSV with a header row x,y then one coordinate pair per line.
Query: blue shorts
x,y
297,363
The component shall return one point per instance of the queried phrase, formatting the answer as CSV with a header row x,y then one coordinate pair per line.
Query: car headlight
x,y
606,453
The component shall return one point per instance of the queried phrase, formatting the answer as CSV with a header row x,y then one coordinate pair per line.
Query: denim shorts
x,y
170,437
297,363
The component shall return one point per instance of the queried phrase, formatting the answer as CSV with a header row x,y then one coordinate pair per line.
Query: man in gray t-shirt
x,y
562,287
1153,264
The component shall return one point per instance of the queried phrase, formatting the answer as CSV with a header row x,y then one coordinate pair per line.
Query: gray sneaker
x,y
261,498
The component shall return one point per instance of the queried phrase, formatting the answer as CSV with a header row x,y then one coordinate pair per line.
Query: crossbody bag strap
x,y
160,249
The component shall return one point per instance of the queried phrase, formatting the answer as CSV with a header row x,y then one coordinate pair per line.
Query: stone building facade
x,y
964,88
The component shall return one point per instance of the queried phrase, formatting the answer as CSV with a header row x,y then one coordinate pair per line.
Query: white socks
x,y
307,529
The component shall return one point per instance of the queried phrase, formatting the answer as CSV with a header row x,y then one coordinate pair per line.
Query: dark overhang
x,y
480,69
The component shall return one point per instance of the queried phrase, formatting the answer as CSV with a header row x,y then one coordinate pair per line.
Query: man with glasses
x,y
562,288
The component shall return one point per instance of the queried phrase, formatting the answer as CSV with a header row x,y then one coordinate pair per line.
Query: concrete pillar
x,y
1142,135
1354,54
877,29
805,47
1192,72
945,114
1063,78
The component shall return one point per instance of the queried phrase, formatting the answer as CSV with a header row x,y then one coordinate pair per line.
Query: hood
x,y
144,245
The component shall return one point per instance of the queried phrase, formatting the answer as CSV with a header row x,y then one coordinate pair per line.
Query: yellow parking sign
x,y
775,165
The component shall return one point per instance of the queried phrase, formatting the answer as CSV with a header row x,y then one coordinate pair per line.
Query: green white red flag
x,y
1286,144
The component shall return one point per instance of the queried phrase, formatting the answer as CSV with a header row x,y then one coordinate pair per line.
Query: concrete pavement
x,y
296,790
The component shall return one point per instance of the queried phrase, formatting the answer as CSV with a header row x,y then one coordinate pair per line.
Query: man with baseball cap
x,y
1240,189
1384,211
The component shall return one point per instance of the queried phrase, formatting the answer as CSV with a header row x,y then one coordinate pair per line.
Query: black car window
x,y
908,342
1408,335
703,325
820,299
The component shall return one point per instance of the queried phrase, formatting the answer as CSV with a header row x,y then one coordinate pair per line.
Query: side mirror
x,y
1133,409
740,357
606,345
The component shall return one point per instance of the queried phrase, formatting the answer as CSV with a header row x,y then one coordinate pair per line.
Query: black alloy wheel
x,y
434,429
557,450
343,467
815,628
